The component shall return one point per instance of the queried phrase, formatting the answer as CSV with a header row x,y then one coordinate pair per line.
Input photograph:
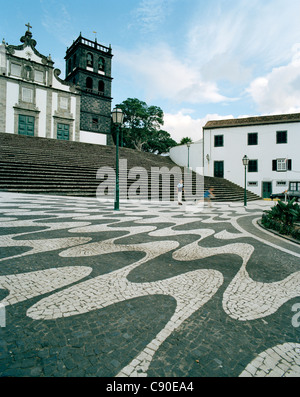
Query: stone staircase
x,y
49,166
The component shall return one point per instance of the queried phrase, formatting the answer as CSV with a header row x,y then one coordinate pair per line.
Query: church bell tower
x,y
88,66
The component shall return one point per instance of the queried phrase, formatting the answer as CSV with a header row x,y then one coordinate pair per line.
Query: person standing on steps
x,y
179,192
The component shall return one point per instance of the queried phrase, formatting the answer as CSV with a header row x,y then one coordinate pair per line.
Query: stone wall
x,y
95,114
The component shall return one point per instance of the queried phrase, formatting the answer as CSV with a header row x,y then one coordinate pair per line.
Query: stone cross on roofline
x,y
28,26
27,38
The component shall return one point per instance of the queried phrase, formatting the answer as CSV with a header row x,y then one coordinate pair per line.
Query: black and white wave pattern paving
x,y
151,290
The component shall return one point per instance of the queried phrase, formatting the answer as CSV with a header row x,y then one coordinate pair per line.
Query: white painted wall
x,y
90,137
41,103
73,112
235,147
180,155
12,97
54,109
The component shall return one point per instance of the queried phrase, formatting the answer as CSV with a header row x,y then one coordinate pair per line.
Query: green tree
x,y
141,127
185,140
160,142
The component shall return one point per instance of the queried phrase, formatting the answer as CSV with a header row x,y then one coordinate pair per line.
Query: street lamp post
x,y
188,146
117,118
245,161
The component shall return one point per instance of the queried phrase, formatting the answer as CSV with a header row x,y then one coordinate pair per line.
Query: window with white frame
x,y
295,186
281,165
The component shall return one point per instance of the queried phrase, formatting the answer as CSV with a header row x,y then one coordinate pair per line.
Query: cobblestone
x,y
150,290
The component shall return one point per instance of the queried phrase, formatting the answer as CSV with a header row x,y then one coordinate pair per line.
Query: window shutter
x,y
274,165
289,165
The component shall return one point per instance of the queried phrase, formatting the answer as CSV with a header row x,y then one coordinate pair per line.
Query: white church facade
x,y
35,101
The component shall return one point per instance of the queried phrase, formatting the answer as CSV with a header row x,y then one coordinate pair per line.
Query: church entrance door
x,y
63,132
26,125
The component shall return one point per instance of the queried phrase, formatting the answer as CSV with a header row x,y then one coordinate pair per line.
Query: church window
x,y
69,66
27,95
101,86
101,64
16,70
63,103
89,60
38,76
89,83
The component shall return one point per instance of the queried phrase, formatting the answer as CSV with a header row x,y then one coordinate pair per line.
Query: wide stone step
x,y
41,165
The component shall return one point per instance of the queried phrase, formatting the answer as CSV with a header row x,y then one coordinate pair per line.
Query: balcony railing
x,y
92,44
90,90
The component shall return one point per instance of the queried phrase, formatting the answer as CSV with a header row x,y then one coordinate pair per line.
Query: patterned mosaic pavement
x,y
151,290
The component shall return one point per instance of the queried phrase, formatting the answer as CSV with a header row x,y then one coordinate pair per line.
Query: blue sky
x,y
196,59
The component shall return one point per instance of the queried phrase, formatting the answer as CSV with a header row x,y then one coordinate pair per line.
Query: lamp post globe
x,y
117,116
245,160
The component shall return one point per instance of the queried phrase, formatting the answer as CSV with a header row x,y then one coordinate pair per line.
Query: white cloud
x,y
150,14
279,90
232,40
162,75
181,125
226,67
227,46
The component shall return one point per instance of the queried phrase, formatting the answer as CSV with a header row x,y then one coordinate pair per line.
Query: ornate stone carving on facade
x,y
28,41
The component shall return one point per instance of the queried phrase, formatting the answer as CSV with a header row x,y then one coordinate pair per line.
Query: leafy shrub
x,y
282,218
296,234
